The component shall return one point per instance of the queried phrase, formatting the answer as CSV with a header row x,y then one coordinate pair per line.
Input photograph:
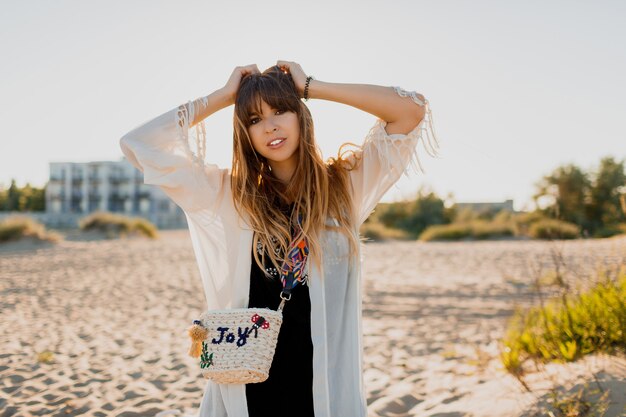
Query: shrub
x,y
378,231
503,216
454,231
523,221
465,215
569,327
610,230
413,216
476,229
21,226
115,224
581,400
485,230
554,229
145,227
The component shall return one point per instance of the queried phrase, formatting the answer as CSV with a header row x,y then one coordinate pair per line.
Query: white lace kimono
x,y
221,241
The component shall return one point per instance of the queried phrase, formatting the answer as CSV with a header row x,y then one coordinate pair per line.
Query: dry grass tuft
x,y
115,225
18,227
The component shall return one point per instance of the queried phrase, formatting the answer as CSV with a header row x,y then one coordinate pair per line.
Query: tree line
x,y
595,201
25,198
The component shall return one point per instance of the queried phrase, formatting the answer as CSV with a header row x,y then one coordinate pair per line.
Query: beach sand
x,y
97,327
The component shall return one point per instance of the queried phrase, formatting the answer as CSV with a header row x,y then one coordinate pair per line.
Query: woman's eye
x,y
253,121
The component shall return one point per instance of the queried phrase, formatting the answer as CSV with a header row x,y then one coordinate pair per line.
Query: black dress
x,y
288,391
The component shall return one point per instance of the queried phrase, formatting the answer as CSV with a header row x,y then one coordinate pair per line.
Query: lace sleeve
x,y
383,157
162,150
186,119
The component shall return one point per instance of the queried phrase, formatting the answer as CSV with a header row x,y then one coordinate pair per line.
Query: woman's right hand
x,y
232,85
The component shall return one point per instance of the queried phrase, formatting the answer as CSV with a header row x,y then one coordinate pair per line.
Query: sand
x,y
97,327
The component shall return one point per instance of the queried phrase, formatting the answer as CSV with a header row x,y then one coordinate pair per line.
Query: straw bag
x,y
236,346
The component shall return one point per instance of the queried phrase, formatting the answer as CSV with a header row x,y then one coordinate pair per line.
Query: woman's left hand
x,y
298,75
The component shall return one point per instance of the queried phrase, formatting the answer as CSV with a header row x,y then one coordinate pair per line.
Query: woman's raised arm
x,y
401,115
390,147
160,149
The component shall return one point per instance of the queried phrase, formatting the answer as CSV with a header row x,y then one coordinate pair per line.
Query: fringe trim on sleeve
x,y
391,147
187,113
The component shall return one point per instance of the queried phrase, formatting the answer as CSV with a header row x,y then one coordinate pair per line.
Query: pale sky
x,y
516,88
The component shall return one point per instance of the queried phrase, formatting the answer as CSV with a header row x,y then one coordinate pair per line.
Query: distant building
x,y
76,189
487,206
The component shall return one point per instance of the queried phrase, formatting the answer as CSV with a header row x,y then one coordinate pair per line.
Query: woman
x,y
241,222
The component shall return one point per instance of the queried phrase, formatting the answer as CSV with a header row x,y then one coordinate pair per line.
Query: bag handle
x,y
291,276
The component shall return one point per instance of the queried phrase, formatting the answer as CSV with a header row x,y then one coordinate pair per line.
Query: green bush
x,y
484,230
553,229
413,216
115,224
475,229
377,231
610,230
523,221
454,231
569,327
20,226
504,216
465,215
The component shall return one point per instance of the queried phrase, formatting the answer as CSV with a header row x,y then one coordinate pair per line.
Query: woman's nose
x,y
271,126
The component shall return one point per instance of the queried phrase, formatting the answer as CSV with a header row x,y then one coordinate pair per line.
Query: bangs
x,y
275,93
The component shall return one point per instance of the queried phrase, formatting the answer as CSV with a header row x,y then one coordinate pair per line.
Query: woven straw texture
x,y
231,357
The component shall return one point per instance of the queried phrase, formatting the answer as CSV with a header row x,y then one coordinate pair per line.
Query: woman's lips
x,y
283,140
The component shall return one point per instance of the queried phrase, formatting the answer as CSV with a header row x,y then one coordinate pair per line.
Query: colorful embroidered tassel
x,y
198,334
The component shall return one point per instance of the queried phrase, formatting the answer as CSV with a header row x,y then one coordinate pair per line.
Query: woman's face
x,y
274,124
